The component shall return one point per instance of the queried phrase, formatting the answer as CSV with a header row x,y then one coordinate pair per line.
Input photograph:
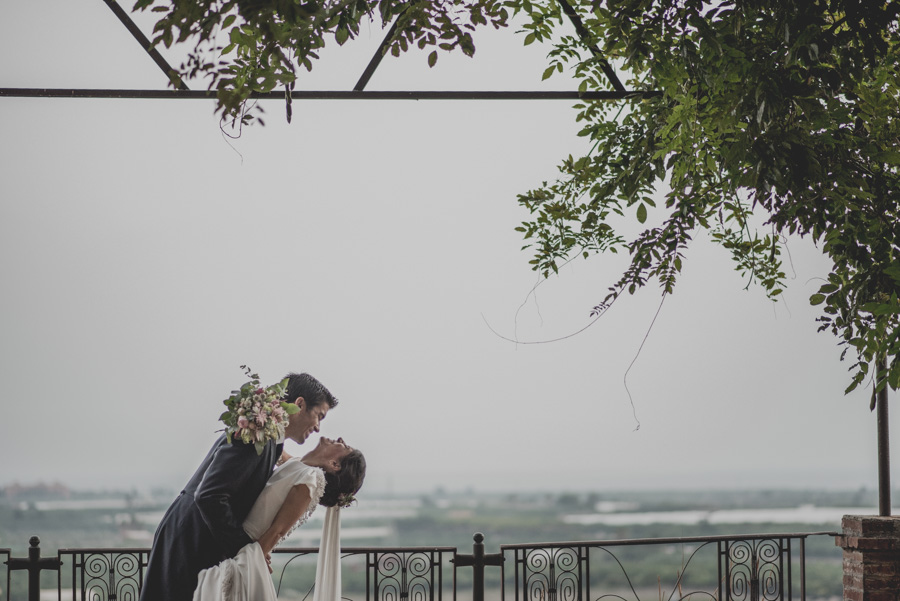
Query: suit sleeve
x,y
230,470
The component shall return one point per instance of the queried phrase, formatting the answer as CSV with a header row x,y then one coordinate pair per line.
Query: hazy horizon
x,y
514,483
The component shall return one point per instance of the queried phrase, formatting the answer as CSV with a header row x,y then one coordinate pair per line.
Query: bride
x,y
328,475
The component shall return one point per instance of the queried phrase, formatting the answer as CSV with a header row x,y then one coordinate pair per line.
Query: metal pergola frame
x,y
358,92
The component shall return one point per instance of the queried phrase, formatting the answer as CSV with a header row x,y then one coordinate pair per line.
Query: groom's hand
x,y
269,562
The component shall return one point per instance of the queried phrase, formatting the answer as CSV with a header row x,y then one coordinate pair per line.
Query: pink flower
x,y
243,422
261,419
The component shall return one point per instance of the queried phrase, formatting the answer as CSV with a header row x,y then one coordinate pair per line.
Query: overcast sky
x,y
372,244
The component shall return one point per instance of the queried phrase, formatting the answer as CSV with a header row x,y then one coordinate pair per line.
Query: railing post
x,y
754,574
34,564
884,445
478,559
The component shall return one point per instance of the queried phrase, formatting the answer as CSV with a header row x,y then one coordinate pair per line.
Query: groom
x,y
203,525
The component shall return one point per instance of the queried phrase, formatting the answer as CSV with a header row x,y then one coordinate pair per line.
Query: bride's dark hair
x,y
346,481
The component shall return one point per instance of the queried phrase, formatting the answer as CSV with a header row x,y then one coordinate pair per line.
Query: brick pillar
x,y
871,547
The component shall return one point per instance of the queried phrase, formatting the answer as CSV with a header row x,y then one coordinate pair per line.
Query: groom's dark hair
x,y
312,391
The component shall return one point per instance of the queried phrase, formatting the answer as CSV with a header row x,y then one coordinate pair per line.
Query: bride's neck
x,y
313,460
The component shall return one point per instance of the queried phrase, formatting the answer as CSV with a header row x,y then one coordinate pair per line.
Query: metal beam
x,y
585,36
182,90
146,44
327,95
376,58
570,12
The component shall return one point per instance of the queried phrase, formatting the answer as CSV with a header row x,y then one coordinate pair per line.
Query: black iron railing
x,y
373,574
102,574
757,567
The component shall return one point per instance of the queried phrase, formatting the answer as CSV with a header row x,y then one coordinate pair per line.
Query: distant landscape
x,y
65,518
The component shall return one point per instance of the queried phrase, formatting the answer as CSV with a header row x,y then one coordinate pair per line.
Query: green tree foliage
x,y
244,47
775,112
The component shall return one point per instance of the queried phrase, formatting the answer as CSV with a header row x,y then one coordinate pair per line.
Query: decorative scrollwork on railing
x,y
419,579
770,570
130,577
106,575
739,573
401,576
389,577
96,573
750,568
406,574
552,574
754,570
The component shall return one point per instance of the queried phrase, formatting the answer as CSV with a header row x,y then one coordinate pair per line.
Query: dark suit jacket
x,y
203,525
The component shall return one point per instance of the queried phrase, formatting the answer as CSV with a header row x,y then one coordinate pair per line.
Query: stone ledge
x,y
871,526
851,543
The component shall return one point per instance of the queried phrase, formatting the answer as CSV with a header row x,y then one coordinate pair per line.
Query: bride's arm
x,y
295,505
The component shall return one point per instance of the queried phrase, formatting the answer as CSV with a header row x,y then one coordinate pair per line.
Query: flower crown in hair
x,y
255,414
346,499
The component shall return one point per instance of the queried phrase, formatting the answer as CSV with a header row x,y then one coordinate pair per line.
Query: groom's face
x,y
306,421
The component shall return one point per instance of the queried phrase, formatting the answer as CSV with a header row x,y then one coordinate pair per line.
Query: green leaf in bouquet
x,y
289,408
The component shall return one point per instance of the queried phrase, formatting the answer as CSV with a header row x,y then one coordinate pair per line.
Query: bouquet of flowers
x,y
256,414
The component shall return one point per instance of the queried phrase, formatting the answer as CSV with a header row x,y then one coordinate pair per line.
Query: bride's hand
x,y
269,563
284,457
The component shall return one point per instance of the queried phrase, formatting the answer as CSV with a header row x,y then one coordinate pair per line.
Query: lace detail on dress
x,y
315,494
228,580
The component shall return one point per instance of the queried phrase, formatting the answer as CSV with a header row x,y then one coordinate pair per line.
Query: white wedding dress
x,y
246,577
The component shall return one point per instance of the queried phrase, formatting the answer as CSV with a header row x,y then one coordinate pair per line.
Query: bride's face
x,y
332,452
